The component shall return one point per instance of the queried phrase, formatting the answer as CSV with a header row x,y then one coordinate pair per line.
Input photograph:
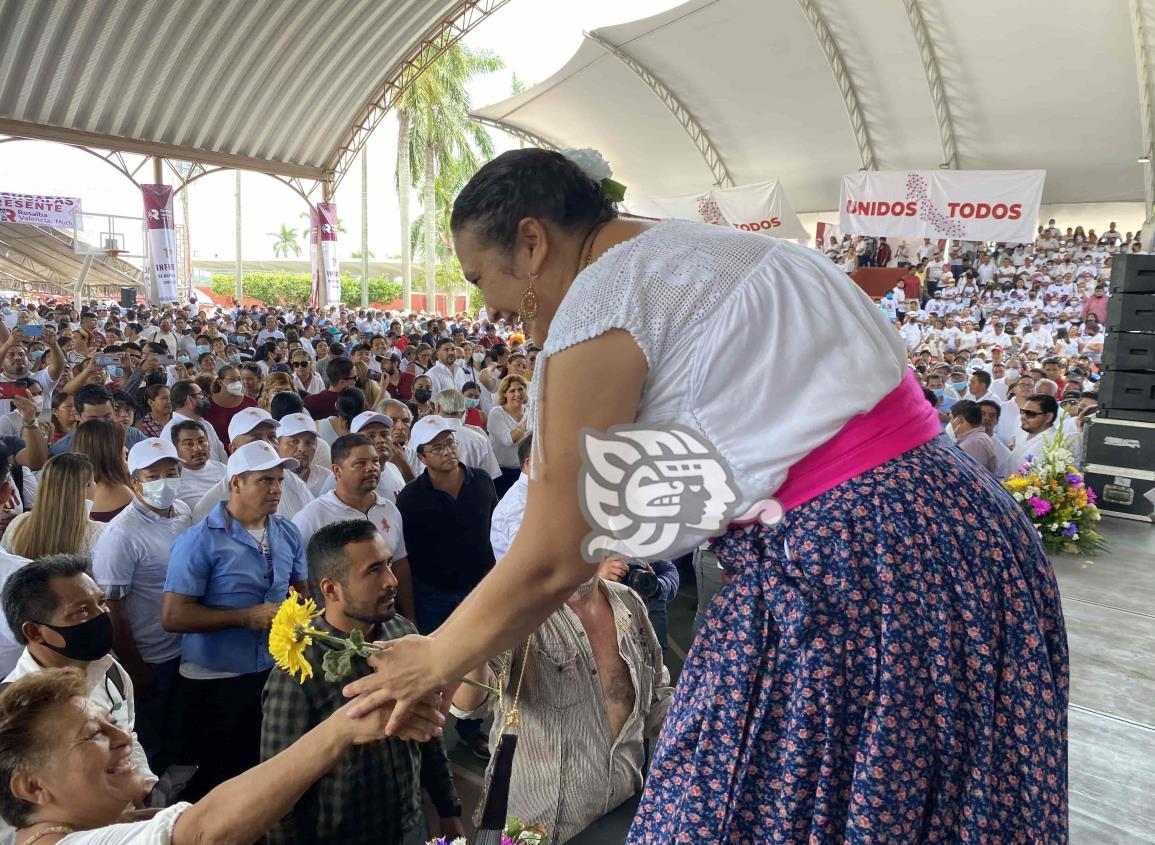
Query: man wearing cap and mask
x,y
446,514
130,563
356,495
297,439
250,426
227,577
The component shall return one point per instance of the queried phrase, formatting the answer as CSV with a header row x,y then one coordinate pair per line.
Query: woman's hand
x,y
407,677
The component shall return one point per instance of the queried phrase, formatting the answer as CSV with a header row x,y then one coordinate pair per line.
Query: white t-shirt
x,y
194,483
390,484
294,496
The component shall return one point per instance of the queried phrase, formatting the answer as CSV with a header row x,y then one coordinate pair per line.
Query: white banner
x,y
32,210
161,244
329,266
762,207
971,205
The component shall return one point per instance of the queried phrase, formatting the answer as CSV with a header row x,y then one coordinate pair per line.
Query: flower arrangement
x,y
1056,498
594,165
292,632
516,832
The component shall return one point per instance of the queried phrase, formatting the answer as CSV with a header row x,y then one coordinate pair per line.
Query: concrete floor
x,y
1109,605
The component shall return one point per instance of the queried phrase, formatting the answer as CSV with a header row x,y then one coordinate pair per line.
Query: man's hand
x,y
451,827
424,722
407,672
27,409
260,617
613,569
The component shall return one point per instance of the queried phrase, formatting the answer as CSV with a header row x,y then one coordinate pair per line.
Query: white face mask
x,y
1011,374
160,493
236,388
478,358
38,401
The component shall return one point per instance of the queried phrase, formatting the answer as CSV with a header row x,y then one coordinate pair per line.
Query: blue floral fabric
x,y
888,665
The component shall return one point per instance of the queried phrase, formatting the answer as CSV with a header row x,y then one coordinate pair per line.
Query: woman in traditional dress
x,y
888,661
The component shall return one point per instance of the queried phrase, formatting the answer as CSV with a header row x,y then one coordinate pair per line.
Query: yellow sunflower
x,y
291,634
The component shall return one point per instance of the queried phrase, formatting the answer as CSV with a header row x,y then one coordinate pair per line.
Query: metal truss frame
x,y
1147,117
845,83
517,132
934,81
452,29
683,115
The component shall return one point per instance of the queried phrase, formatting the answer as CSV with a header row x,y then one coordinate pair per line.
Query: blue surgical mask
x,y
937,391
37,354
234,358
958,385
183,359
114,372
470,402
201,350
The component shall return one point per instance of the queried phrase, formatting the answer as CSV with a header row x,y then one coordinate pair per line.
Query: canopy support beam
x,y
683,115
467,15
934,81
1147,118
516,131
845,83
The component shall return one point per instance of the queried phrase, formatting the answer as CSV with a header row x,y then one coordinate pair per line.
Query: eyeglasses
x,y
1031,414
446,447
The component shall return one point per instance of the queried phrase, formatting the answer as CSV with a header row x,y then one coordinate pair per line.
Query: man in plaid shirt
x,y
372,795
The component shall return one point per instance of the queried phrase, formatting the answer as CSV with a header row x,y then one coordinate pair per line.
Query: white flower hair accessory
x,y
594,165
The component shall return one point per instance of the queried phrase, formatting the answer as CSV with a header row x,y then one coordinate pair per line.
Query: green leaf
x,y
615,191
357,641
338,664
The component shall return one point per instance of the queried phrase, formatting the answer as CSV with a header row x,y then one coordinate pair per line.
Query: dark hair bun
x,y
529,183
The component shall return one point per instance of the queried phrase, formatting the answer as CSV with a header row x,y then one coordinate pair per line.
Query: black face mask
x,y
87,641
422,395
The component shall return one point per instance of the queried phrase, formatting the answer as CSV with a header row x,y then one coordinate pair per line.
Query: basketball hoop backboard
x,y
113,235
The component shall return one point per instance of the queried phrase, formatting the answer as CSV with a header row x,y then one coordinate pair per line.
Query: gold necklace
x,y
593,236
59,828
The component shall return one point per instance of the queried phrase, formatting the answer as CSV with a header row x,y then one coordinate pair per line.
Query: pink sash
x,y
898,423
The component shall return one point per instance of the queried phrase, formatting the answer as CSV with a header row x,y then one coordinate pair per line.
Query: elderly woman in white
x,y
67,776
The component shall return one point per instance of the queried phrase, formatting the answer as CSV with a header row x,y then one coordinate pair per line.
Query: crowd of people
x,y
171,473
1007,339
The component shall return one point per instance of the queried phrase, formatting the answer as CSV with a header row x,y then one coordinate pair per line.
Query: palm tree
x,y
436,137
284,242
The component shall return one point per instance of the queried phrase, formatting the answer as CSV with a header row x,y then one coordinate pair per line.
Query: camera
x,y
641,579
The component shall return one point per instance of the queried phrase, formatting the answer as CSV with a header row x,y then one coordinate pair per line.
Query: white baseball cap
x,y
365,418
427,428
296,424
253,457
147,452
247,420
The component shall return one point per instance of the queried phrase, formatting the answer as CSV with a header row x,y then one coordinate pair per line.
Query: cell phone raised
x,y
108,360
9,389
32,330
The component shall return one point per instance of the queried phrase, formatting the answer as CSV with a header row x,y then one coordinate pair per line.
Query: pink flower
x,y
1039,506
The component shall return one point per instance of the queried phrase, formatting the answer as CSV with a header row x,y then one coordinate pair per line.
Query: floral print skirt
x,y
888,665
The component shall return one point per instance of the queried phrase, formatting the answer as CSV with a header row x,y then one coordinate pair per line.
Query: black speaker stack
x,y
1120,446
128,297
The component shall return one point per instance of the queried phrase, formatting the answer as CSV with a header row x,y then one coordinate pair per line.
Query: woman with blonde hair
x,y
368,386
58,523
508,424
102,442
275,383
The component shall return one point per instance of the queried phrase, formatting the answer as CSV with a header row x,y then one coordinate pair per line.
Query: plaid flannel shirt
x,y
372,795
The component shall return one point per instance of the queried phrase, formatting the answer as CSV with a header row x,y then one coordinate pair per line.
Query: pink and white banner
x,y
762,207
330,268
972,205
162,257
33,210
314,254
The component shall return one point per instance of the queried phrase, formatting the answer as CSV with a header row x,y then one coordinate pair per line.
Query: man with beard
x,y
16,366
373,797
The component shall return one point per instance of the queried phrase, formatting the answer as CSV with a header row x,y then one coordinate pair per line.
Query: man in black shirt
x,y
445,515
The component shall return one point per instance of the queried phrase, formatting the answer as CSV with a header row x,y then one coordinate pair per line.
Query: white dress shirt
x,y
507,516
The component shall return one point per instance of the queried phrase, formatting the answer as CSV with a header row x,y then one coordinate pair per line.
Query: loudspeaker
x,y
1127,391
1131,312
1129,351
128,297
1132,274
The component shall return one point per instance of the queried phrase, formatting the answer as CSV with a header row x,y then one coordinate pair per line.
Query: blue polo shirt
x,y
218,561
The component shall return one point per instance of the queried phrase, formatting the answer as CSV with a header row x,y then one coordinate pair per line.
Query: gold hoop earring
x,y
528,307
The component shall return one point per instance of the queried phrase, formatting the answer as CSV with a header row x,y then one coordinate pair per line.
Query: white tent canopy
x,y
738,91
